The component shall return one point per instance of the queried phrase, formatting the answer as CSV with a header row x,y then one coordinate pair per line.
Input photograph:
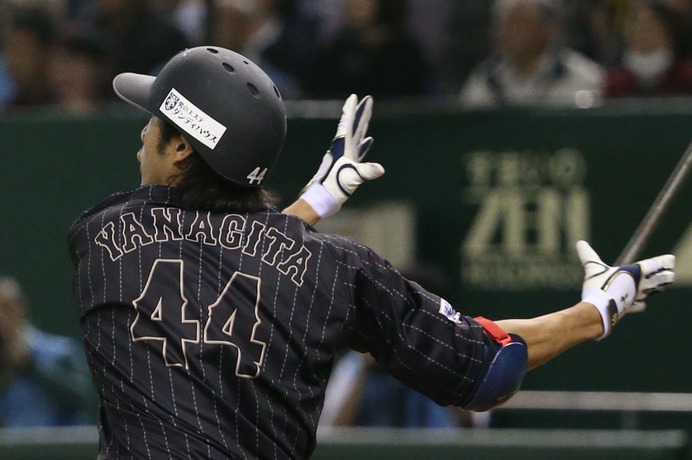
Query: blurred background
x,y
509,129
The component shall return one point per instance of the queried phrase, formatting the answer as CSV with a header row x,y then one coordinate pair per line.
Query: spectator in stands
x,y
275,34
188,15
652,64
30,31
594,28
44,379
530,65
136,38
373,54
76,70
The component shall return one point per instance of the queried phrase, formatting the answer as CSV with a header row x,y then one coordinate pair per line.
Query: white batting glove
x,y
616,291
341,170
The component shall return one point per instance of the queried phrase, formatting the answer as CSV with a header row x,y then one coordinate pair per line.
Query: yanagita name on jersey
x,y
278,250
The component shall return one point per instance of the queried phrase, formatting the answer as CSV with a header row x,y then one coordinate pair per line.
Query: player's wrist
x,y
613,301
321,201
606,308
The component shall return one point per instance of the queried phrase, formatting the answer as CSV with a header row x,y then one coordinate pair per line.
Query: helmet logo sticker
x,y
171,101
192,119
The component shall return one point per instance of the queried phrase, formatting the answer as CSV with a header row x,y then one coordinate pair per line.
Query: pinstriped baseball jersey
x,y
212,335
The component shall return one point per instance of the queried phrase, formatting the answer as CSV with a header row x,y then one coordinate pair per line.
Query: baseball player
x,y
211,319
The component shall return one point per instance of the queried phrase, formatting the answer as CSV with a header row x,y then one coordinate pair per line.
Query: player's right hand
x,y
616,291
342,170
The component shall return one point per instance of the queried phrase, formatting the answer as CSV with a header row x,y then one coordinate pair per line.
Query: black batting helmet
x,y
222,103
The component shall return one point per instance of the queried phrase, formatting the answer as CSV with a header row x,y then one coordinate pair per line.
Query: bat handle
x,y
657,209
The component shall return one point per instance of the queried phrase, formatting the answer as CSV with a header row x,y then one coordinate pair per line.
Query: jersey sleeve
x,y
415,334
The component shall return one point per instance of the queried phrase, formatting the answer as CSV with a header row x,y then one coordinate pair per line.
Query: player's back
x,y
212,335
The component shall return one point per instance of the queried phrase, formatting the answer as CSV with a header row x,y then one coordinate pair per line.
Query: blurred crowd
x,y
64,53
44,377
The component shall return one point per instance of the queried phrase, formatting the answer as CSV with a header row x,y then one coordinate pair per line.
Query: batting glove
x,y
341,170
616,291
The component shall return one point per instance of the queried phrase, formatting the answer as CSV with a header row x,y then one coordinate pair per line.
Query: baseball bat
x,y
658,208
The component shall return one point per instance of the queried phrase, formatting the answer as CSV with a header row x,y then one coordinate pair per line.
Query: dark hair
x,y
203,189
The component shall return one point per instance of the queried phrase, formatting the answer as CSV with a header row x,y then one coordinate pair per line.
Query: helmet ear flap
x,y
224,105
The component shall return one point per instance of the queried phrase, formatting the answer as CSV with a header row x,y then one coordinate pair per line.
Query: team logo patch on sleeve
x,y
192,119
447,310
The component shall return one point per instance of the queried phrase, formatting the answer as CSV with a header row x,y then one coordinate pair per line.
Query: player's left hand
x,y
342,170
616,291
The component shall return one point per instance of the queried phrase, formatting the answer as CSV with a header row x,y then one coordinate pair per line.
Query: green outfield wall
x,y
497,198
